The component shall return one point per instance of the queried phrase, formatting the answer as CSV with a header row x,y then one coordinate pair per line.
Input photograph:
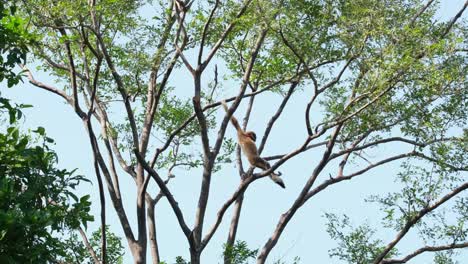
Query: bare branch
x,y
339,178
346,156
276,116
286,217
387,140
180,11
152,232
244,126
231,239
205,30
59,66
204,192
152,95
72,71
239,201
454,19
102,198
412,221
216,104
425,249
239,97
338,77
88,246
244,184
44,86
248,180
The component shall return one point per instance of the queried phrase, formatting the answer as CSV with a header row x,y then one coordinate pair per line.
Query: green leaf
x,y
40,131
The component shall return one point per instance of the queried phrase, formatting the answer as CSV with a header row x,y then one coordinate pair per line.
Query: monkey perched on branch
x,y
247,142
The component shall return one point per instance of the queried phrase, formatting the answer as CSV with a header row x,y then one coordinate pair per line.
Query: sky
x,y
305,236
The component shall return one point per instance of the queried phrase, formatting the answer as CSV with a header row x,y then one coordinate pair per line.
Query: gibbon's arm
x,y
233,119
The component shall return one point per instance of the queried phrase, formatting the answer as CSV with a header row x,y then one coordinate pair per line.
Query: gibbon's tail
x,y
274,177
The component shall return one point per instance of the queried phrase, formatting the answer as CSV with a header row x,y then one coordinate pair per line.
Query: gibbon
x,y
247,143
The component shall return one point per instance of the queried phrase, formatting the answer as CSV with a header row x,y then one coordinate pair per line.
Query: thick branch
x,y
286,217
167,193
44,86
152,232
72,71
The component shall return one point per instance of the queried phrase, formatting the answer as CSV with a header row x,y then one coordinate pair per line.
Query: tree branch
x,y
102,198
412,221
121,88
425,249
167,193
205,30
224,35
88,246
44,86
286,217
276,115
216,104
420,12
339,178
204,192
454,19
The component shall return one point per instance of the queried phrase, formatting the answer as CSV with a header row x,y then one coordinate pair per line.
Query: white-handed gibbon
x,y
247,143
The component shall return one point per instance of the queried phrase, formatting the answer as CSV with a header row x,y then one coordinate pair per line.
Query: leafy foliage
x,y
37,203
78,253
355,245
239,253
13,47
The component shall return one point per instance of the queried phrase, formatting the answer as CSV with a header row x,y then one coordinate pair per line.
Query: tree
x,y
378,74
37,204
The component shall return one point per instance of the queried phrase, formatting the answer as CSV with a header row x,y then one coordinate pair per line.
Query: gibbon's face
x,y
252,135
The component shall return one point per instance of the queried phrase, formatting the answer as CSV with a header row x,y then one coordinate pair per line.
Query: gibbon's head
x,y
251,135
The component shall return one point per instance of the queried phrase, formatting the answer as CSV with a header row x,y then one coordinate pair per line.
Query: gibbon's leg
x,y
263,164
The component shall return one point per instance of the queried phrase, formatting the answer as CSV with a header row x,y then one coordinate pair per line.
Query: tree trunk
x,y
194,257
234,224
152,234
139,253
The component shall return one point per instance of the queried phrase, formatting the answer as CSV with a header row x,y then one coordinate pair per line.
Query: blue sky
x,y
305,236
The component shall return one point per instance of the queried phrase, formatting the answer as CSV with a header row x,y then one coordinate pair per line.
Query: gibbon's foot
x,y
277,180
